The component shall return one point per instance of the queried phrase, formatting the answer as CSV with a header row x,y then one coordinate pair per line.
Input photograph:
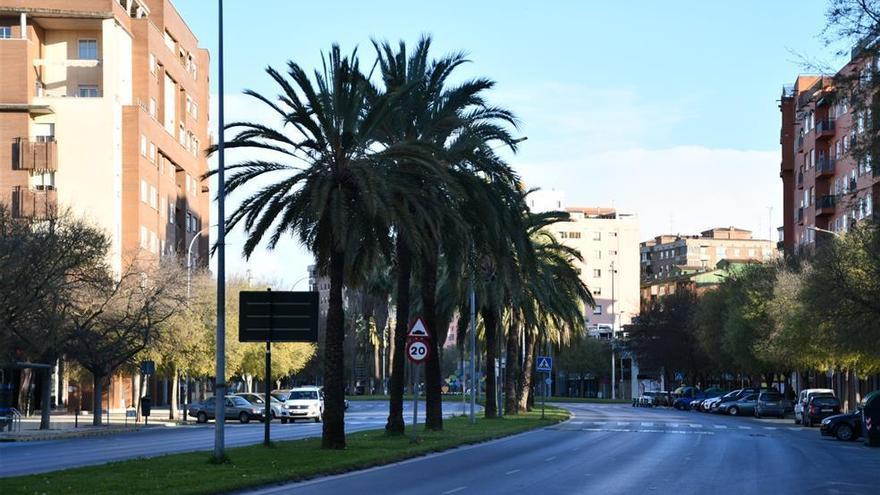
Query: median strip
x,y
254,466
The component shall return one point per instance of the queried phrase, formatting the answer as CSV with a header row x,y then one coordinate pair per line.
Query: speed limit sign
x,y
417,350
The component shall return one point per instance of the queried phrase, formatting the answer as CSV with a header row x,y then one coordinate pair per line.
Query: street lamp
x,y
189,260
824,231
220,349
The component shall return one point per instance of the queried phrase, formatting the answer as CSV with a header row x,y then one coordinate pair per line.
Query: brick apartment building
x,y
824,185
104,111
675,262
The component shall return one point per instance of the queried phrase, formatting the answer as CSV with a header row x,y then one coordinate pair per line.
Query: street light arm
x,y
825,231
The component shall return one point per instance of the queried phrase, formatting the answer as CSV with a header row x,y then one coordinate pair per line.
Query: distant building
x,y
546,200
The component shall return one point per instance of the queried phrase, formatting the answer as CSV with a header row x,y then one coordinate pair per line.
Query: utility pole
x,y
474,382
220,350
613,336
769,223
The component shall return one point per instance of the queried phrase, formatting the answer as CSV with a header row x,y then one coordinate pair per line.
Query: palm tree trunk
x,y
395,424
526,373
334,360
511,371
490,320
433,393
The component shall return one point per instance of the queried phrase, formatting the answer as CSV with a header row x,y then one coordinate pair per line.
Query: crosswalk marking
x,y
744,427
647,424
721,427
693,425
769,427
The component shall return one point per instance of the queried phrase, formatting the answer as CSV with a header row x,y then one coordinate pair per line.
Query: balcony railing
x,y
824,166
824,205
39,155
825,128
32,203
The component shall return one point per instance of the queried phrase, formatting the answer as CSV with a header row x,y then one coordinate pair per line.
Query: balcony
x,y
825,129
800,180
799,216
33,203
39,155
825,205
824,167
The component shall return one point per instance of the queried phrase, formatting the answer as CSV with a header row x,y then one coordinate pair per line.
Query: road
x,y
611,449
35,457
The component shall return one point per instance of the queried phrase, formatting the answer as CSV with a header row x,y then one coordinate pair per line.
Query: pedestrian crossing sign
x,y
545,364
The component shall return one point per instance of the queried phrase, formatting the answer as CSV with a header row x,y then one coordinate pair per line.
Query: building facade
x,y
103,112
824,186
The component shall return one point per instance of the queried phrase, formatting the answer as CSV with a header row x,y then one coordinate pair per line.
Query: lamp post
x,y
189,263
613,336
824,231
220,350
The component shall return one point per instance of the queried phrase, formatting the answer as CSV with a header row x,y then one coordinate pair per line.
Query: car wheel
x,y
807,422
757,414
733,411
844,432
201,417
284,421
244,418
317,419
797,420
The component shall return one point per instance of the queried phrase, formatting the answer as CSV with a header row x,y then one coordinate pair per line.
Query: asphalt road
x,y
36,457
611,449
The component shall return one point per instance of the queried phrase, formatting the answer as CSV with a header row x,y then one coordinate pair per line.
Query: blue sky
x,y
664,109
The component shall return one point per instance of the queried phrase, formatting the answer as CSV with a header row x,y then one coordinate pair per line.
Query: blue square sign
x,y
544,364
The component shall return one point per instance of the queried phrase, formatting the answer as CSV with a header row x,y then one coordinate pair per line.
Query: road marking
x,y
455,490
549,459
721,427
769,427
647,424
512,472
577,422
744,427
622,423
692,425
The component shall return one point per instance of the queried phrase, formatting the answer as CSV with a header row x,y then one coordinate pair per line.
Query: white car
x,y
302,403
804,398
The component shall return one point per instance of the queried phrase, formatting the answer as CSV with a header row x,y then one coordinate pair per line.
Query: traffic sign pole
x,y
415,374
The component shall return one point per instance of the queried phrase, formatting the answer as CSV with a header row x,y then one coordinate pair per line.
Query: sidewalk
x,y
67,425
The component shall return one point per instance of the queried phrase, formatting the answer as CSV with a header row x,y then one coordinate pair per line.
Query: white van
x,y
804,397
303,402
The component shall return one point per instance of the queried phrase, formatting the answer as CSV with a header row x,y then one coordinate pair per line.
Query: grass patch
x,y
583,400
253,466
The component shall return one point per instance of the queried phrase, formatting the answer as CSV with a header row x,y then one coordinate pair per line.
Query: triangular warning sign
x,y
543,364
418,329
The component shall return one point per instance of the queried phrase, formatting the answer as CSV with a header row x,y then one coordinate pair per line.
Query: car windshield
x,y
253,399
825,402
731,395
303,395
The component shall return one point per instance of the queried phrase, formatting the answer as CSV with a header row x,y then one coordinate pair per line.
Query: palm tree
x,y
454,124
331,189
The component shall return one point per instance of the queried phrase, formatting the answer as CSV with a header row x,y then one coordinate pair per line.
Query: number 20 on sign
x,y
418,350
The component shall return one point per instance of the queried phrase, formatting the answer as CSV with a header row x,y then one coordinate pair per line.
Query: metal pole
x,y
266,411
415,389
220,351
613,336
474,382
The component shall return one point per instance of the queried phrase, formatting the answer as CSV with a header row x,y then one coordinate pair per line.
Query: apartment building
x,y
824,186
103,110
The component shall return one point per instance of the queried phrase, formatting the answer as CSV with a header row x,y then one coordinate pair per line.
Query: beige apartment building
x,y
104,111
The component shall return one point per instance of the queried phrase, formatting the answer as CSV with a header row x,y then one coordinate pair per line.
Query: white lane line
x,y
622,423
769,427
512,472
693,425
577,422
454,490
647,424
549,459
673,425
744,427
721,427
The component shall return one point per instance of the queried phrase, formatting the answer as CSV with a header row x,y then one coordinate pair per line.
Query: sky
x,y
668,110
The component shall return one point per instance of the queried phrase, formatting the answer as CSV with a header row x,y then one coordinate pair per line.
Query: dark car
x,y
843,426
770,404
819,408
744,405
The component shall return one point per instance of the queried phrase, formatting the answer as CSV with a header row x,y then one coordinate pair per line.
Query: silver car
x,y
770,404
236,408
276,407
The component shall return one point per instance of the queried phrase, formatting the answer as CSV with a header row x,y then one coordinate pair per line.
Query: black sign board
x,y
273,316
148,367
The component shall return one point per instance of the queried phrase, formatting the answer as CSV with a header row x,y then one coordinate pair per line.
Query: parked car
x,y
644,400
845,427
236,408
713,403
770,404
663,398
743,405
804,397
276,407
684,397
303,403
820,407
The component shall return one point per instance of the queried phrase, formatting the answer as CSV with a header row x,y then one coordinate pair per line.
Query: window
x,y
574,235
170,97
144,238
597,273
43,181
152,152
169,41
152,64
163,206
171,211
751,253
736,253
88,91
721,252
5,32
143,145
597,309
154,198
88,50
597,291
145,191
612,252
597,236
153,107
598,254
